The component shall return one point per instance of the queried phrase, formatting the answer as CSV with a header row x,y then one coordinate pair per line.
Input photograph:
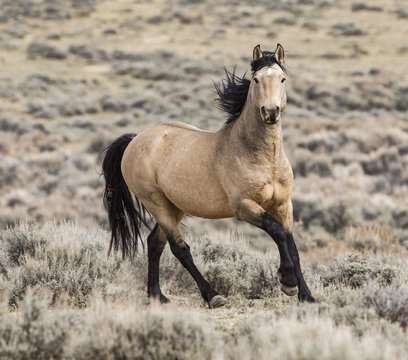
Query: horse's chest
x,y
276,191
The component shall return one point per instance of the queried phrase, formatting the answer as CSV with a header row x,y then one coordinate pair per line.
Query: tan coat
x,y
214,174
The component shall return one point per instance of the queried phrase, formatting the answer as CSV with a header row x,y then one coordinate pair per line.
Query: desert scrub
x,y
32,334
231,267
308,336
390,303
355,271
63,258
371,237
103,331
236,270
109,332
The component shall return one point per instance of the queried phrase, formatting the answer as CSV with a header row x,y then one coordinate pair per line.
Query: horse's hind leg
x,y
181,251
168,217
156,242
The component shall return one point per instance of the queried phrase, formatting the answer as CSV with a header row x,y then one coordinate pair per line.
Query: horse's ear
x,y
257,53
279,54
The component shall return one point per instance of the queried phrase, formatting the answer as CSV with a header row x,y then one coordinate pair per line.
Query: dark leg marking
x,y
287,268
155,247
181,251
304,293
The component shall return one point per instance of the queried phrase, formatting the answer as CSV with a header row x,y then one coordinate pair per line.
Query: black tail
x,y
126,213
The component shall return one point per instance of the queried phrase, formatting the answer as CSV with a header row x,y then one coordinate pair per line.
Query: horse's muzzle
x,y
269,116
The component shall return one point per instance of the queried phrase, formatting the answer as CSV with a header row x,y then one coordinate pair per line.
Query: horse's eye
x,y
283,80
256,80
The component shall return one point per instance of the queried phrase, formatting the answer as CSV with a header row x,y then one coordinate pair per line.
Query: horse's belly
x,y
199,201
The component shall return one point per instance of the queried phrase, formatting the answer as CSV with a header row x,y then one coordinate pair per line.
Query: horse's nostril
x,y
277,108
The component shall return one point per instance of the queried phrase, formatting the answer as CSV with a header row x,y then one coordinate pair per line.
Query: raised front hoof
x,y
289,290
287,277
217,301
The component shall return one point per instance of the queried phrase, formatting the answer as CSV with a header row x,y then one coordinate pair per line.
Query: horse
x,y
240,171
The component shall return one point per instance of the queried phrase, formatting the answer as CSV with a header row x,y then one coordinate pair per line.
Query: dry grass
x,y
62,298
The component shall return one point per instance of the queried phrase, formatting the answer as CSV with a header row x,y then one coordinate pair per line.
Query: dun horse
x,y
239,171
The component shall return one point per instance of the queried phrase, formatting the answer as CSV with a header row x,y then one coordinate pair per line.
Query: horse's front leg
x,y
249,211
304,293
284,214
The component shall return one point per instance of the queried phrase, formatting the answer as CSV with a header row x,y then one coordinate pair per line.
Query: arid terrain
x,y
75,74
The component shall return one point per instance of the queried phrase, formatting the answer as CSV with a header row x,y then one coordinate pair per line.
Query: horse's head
x,y
267,87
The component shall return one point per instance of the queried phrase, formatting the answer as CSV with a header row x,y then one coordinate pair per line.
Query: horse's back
x,y
181,125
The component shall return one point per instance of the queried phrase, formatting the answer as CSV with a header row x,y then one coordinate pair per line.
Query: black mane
x,y
232,94
233,90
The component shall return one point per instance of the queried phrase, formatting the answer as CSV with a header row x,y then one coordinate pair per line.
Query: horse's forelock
x,y
267,59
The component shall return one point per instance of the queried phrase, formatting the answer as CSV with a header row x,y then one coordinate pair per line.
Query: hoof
x,y
163,299
217,301
159,298
289,290
306,298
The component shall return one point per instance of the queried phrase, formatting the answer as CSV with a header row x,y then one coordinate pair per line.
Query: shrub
x,y
371,237
390,303
230,267
355,271
45,51
308,336
33,335
60,258
234,269
120,333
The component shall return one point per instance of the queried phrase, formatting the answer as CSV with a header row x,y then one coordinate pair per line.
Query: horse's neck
x,y
259,138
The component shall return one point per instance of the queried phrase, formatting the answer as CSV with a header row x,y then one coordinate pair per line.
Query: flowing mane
x,y
232,94
233,90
